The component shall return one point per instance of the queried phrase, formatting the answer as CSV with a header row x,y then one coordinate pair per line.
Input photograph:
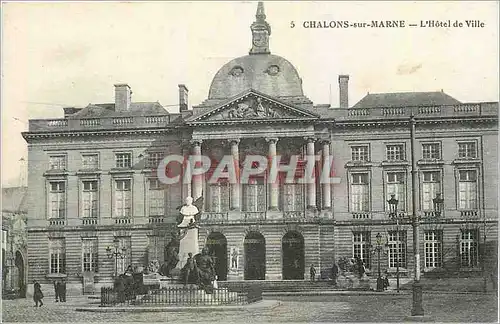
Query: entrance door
x,y
255,256
217,248
292,246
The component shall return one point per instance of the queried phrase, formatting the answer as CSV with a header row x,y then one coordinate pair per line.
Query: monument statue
x,y
171,255
206,270
188,229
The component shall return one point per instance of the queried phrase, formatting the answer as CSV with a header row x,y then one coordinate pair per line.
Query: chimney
x,y
123,97
183,97
344,91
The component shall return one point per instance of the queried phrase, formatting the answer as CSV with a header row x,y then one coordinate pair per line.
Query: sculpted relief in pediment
x,y
251,108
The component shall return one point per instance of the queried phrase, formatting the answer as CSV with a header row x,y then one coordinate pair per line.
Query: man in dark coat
x,y
57,289
335,273
312,272
37,294
62,291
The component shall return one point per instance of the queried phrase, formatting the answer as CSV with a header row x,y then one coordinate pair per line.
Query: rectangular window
x,y
57,162
123,193
433,249
154,159
467,189
431,185
397,249
468,248
57,199
254,195
467,150
123,160
156,198
90,194
395,152
431,151
89,255
360,196
360,153
292,196
396,186
57,254
219,197
361,246
90,161
123,263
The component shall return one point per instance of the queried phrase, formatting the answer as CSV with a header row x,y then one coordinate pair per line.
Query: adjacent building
x,y
93,180
14,241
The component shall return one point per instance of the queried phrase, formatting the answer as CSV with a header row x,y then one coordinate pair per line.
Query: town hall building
x,y
93,181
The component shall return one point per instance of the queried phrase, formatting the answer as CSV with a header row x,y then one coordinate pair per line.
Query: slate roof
x,y
108,110
399,99
15,199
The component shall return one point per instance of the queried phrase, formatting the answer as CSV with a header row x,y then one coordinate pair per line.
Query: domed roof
x,y
260,70
267,73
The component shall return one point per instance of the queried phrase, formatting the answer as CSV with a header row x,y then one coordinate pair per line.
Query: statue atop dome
x,y
261,31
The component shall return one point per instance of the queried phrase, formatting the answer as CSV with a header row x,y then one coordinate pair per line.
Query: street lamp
x,y
438,205
393,212
379,248
116,254
417,308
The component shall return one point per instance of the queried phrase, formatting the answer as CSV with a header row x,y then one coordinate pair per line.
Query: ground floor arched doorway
x,y
21,284
217,248
255,256
292,246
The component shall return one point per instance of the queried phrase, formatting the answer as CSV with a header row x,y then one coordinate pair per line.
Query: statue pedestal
x,y
188,244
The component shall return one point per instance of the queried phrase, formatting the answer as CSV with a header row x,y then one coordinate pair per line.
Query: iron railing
x,y
178,296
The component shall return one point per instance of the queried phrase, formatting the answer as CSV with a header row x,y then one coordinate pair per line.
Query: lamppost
x,y
116,254
393,212
438,205
379,248
417,309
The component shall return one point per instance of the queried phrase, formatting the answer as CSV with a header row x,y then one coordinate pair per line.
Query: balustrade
x,y
57,222
123,221
123,120
361,215
254,215
89,221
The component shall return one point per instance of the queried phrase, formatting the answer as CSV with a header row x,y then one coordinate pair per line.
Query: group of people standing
x,y
59,289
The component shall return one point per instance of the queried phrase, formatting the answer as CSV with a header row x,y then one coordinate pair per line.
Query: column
x,y
327,198
273,187
186,172
311,187
235,187
197,184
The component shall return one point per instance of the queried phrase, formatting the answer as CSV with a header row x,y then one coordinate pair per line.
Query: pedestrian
x,y
361,267
57,289
335,273
62,291
37,293
312,272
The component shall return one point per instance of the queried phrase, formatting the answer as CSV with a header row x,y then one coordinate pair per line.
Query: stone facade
x,y
14,241
92,179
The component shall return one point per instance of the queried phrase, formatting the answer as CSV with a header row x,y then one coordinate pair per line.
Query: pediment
x,y
252,106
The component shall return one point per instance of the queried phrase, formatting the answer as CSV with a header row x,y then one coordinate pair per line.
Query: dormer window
x,y
236,71
273,70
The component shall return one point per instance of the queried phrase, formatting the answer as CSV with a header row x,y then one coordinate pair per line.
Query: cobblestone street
x,y
439,307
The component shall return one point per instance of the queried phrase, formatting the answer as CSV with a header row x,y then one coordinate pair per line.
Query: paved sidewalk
x,y
263,304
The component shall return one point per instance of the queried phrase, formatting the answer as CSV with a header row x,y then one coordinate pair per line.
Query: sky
x,y
57,55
